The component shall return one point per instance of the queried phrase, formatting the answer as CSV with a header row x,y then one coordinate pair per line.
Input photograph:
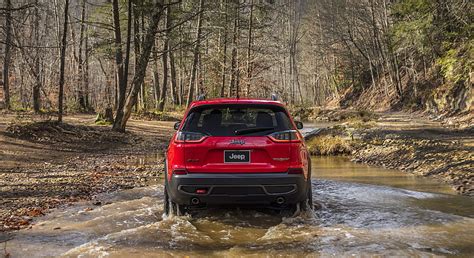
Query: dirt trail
x,y
71,163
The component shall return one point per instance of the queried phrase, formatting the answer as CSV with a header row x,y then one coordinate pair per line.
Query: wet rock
x,y
97,203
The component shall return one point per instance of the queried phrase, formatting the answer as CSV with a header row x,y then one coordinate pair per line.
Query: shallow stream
x,y
364,210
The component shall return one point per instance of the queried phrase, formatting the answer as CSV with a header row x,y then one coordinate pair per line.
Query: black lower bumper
x,y
223,189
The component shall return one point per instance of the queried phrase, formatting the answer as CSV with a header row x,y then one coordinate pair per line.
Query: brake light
x,y
190,137
201,191
285,136
180,171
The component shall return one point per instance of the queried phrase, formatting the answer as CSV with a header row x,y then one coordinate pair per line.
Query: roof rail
x,y
274,97
201,97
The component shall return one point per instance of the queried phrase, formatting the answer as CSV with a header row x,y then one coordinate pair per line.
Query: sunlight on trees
x,y
308,52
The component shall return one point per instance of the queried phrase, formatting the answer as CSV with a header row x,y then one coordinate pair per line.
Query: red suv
x,y
237,151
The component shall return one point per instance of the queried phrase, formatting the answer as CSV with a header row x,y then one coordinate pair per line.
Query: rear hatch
x,y
236,138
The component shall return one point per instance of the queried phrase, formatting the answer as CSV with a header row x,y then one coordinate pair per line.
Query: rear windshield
x,y
235,120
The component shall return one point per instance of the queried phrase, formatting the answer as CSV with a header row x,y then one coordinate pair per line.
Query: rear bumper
x,y
238,188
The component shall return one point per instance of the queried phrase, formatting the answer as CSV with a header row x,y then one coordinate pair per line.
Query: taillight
x,y
190,137
285,136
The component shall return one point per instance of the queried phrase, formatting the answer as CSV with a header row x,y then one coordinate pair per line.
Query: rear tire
x,y
307,204
304,205
166,204
171,207
180,209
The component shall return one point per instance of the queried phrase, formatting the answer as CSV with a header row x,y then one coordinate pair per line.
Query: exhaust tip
x,y
280,200
195,201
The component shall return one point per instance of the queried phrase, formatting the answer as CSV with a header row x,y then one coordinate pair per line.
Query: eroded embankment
x,y
404,142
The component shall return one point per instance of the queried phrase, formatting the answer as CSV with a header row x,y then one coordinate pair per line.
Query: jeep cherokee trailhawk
x,y
237,152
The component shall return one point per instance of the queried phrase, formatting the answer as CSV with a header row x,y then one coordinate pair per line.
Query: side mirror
x,y
176,125
299,125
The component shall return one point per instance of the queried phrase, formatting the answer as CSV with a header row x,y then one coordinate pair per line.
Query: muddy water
x,y
363,211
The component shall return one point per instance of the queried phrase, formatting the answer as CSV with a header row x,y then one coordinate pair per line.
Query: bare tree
x,y
122,84
170,50
142,66
63,61
234,81
249,50
224,51
83,91
166,47
195,54
8,44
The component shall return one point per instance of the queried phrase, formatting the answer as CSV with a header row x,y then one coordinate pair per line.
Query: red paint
x,y
267,154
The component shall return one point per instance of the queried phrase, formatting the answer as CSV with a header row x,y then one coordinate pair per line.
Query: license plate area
x,y
236,156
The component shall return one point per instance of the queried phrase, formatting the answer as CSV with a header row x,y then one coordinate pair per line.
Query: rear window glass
x,y
234,120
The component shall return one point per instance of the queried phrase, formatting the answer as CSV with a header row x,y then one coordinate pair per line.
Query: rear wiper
x,y
253,130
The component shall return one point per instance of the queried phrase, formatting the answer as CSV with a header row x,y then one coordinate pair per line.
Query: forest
x,y
375,103
151,56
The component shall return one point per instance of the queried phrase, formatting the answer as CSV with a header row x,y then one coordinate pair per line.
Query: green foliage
x,y
414,21
73,106
456,63
424,25
16,104
103,122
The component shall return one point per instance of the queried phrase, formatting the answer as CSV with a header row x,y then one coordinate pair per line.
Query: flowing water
x,y
363,210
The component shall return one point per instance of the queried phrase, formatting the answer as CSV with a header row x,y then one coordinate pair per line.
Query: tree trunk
x,y
156,86
156,79
234,69
80,70
196,54
294,28
86,73
181,71
164,85
142,66
36,67
224,62
6,62
174,83
127,47
122,85
63,61
137,47
249,47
